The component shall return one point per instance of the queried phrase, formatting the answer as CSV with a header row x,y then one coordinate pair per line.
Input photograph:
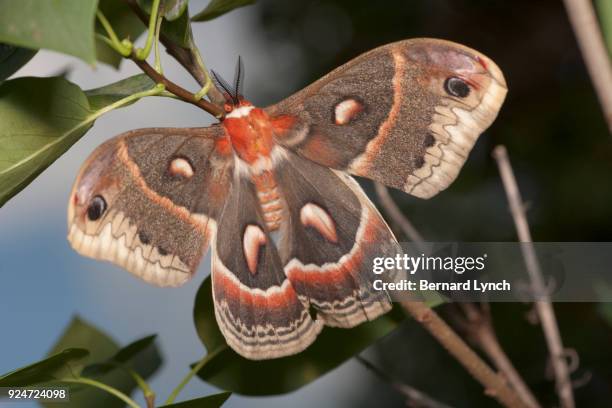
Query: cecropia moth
x,y
293,235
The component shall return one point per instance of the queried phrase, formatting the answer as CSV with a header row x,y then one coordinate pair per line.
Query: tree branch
x,y
177,90
591,43
479,327
495,385
543,306
187,57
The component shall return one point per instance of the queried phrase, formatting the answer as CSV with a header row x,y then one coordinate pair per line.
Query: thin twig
x,y
543,305
591,42
449,339
177,90
479,328
394,212
414,397
495,385
185,56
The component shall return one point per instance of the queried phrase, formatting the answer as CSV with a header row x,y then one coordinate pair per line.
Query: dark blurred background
x,y
558,143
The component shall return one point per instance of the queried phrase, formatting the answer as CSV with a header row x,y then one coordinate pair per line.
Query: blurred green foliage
x,y
216,8
141,356
12,58
604,11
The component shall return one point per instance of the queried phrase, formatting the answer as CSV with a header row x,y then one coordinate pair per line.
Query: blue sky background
x,y
45,283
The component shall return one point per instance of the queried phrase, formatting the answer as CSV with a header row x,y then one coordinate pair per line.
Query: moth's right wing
x,y
405,114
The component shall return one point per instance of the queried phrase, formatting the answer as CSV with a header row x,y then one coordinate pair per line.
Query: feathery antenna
x,y
233,92
239,78
222,83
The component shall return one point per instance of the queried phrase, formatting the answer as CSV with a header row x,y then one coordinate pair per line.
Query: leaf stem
x,y
190,375
124,48
149,395
97,384
169,95
107,41
157,65
200,63
158,89
143,53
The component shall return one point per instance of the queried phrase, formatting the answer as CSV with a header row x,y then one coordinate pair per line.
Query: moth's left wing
x,y
405,114
148,200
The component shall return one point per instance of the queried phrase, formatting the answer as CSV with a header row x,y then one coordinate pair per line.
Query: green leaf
x,y
45,370
130,351
108,94
121,358
12,58
80,333
205,320
229,371
210,401
178,30
40,118
145,361
171,10
217,8
66,26
126,25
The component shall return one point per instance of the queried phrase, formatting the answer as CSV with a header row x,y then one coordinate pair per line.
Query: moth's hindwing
x,y
274,290
148,200
256,306
406,114
333,235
